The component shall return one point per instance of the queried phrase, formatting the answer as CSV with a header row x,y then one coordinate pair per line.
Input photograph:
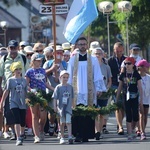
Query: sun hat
x,y
66,46
38,46
28,49
48,49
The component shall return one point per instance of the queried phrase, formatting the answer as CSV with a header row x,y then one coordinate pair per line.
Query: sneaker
x,y
130,138
97,136
143,137
59,135
22,137
62,141
42,136
36,139
29,132
138,133
70,141
6,135
18,142
105,131
13,137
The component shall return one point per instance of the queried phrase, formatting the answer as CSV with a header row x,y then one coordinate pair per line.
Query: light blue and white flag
x,y
80,16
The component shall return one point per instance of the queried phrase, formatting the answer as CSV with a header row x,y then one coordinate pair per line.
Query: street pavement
x,y
110,141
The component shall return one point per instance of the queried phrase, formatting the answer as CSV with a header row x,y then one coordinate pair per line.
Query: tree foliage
x,y
138,22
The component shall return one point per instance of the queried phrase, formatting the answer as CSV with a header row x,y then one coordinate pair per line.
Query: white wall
x,y
22,14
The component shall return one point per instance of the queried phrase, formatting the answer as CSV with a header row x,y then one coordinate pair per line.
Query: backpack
x,y
23,58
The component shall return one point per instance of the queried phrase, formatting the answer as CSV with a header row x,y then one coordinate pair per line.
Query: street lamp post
x,y
106,7
125,7
4,26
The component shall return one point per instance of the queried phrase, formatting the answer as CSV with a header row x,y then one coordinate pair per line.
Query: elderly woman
x,y
101,121
48,53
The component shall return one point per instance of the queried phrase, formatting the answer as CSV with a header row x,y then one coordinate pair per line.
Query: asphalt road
x,y
110,141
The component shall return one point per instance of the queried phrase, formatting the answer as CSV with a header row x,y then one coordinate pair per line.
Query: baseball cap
x,y
134,46
143,63
36,56
94,45
63,72
23,43
66,52
13,43
130,59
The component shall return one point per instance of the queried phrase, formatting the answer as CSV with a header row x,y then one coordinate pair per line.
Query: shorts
x,y
65,119
102,102
145,105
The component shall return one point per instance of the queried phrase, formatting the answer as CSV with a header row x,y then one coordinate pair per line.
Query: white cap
x,y
94,45
23,43
28,49
48,49
66,46
66,52
63,72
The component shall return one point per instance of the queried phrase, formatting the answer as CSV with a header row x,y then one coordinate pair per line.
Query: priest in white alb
x,y
87,81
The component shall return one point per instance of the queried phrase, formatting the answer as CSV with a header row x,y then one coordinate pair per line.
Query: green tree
x,y
138,23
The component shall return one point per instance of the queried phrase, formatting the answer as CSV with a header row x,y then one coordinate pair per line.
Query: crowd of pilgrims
x,y
70,73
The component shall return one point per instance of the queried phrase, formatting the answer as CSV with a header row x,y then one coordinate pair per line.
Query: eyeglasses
x,y
84,44
39,51
98,54
128,63
29,55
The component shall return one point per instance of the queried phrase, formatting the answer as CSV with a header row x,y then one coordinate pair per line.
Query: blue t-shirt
x,y
37,78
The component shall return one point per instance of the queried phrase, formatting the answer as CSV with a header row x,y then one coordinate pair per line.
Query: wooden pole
x,y
54,29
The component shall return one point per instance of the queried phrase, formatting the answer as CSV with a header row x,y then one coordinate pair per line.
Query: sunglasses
x,y
18,69
59,53
128,63
29,55
11,47
39,51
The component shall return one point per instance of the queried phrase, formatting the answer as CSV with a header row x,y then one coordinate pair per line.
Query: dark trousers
x,y
83,127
